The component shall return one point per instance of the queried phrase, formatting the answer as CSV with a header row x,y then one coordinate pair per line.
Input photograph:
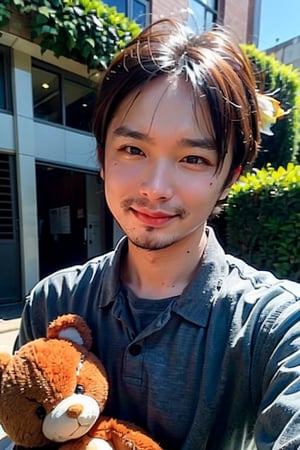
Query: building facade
x,y
52,207
287,52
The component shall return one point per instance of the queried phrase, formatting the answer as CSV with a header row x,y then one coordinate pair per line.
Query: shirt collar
x,y
195,302
110,273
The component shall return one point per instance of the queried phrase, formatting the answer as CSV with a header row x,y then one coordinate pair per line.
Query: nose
x,y
74,411
157,181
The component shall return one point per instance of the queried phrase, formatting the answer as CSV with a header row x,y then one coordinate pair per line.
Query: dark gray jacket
x,y
218,368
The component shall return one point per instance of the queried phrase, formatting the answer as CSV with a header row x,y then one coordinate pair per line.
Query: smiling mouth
x,y
153,219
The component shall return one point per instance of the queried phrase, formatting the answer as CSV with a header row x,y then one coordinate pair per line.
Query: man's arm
x,y
276,374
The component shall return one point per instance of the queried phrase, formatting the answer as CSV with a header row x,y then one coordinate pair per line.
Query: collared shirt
x,y
217,369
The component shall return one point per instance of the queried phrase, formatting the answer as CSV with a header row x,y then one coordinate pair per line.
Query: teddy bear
x,y
54,389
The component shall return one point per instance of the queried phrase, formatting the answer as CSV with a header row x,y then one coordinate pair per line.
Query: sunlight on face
x,y
160,176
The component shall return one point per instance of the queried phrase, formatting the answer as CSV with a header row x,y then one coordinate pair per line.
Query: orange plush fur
x,y
46,372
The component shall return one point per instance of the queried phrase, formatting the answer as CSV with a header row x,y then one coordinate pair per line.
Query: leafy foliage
x,y
87,31
4,12
284,81
263,219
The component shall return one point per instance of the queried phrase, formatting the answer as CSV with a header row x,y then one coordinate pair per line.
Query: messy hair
x,y
216,70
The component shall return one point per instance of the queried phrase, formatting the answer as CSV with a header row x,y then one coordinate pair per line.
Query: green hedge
x,y
88,31
284,81
263,220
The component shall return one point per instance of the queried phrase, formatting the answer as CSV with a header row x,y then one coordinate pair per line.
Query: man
x,y
201,350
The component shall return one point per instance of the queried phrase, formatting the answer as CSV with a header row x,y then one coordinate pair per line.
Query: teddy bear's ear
x,y
71,327
4,360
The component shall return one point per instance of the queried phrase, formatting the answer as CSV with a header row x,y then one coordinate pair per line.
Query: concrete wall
x,y
240,16
168,8
287,52
32,141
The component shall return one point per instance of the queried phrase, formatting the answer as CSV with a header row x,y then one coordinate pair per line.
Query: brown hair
x,y
214,66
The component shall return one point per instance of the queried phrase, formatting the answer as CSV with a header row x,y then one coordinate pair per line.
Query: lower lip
x,y
152,221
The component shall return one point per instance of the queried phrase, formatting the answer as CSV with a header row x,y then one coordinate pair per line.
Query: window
x,y
5,80
7,225
140,12
204,14
137,10
61,98
79,103
46,95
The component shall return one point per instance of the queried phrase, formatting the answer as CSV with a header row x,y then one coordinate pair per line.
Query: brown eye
x,y
40,411
194,159
132,150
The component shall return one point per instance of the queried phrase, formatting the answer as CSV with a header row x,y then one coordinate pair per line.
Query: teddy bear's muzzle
x,y
73,417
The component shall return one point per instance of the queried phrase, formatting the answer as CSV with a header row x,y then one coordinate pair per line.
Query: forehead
x,y
164,104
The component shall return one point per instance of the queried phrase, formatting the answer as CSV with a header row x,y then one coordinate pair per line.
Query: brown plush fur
x,y
44,372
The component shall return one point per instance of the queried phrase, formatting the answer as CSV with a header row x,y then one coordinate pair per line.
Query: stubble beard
x,y
152,242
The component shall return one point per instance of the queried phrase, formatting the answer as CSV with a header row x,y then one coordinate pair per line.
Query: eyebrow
x,y
198,142
125,131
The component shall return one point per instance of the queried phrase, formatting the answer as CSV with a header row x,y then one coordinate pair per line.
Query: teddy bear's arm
x,y
123,435
119,435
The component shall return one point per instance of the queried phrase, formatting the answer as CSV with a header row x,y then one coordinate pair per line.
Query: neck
x,y
162,273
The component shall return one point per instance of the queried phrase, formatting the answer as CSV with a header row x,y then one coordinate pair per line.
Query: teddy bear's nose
x,y
74,411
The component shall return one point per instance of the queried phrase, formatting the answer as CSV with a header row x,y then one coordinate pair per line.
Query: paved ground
x,y
7,340
9,325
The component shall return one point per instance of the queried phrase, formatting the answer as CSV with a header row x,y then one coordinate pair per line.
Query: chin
x,y
152,243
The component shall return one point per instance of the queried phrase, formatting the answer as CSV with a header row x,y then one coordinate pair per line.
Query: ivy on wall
x,y
87,31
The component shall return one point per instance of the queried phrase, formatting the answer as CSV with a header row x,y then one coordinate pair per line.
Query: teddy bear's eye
x,y
40,412
79,389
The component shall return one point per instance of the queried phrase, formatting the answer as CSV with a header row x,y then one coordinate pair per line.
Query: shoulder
x,y
69,279
260,280
80,289
258,296
235,284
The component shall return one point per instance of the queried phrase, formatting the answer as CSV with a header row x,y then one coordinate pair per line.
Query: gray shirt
x,y
218,367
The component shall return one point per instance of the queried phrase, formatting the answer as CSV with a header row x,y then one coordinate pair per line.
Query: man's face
x,y
160,176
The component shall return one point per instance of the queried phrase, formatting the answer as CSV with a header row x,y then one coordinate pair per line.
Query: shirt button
x,y
135,349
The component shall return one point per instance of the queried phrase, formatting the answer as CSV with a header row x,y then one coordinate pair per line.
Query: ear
x,y
234,178
71,327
